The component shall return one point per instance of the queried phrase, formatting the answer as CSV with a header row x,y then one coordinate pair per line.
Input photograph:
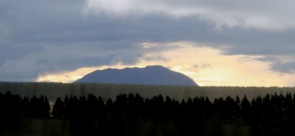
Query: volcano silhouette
x,y
150,75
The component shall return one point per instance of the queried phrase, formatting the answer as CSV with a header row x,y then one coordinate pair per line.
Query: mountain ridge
x,y
149,75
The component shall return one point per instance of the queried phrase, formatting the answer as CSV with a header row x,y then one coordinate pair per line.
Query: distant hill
x,y
150,75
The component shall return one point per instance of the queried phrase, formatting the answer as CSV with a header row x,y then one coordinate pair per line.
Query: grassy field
x,y
39,127
55,127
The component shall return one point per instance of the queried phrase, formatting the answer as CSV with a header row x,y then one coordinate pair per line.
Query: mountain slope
x,y
150,75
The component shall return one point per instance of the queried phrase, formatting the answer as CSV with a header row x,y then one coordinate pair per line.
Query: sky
x,y
216,43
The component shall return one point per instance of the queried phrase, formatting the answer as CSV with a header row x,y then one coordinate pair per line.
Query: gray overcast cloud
x,y
38,37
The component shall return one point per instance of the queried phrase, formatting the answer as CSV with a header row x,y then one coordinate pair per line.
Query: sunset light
x,y
206,66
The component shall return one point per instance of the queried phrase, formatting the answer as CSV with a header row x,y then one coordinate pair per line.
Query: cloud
x,y
56,58
218,69
265,14
284,64
38,37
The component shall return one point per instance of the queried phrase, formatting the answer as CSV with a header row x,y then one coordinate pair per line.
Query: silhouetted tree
x,y
246,110
10,114
131,114
45,107
58,110
257,112
36,107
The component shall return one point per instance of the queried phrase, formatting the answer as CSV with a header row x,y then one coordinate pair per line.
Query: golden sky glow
x,y
206,66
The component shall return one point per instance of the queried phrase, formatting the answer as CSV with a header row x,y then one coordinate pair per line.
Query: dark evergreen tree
x,y
246,110
35,107
25,107
44,107
10,115
257,112
71,108
219,107
58,110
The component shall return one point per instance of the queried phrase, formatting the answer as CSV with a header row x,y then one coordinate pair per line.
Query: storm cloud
x,y
38,37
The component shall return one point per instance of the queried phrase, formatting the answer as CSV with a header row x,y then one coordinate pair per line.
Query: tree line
x,y
15,109
270,110
132,114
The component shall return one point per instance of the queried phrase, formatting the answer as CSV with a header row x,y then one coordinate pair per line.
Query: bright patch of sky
x,y
206,66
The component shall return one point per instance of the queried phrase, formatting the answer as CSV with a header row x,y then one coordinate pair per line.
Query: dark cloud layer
x,y
38,37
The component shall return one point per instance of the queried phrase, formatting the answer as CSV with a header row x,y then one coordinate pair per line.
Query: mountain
x,y
150,75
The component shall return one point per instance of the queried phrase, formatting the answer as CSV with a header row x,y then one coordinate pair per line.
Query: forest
x,y
106,91
131,114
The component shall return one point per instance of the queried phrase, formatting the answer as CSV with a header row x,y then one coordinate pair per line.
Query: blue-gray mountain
x,y
150,75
